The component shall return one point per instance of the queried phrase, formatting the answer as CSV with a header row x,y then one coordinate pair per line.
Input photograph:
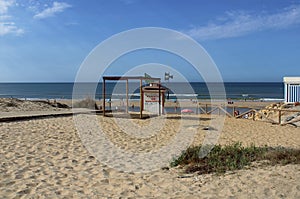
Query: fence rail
x,y
251,112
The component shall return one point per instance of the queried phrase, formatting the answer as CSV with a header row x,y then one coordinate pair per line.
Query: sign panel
x,y
151,102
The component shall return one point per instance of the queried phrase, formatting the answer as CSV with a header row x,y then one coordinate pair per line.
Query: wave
x,y
270,99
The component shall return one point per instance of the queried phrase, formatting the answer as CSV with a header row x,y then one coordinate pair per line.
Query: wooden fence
x,y
250,113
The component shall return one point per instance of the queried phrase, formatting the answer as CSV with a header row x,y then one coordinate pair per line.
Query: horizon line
x,y
69,82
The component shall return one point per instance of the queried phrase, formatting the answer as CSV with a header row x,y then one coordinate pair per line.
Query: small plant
x,y
11,104
86,103
233,157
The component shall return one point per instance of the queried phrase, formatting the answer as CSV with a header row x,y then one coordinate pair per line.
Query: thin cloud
x,y
10,28
7,26
236,24
5,4
57,7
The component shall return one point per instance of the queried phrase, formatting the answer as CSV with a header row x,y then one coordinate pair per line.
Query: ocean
x,y
237,91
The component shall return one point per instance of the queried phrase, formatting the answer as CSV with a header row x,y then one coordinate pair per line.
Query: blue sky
x,y
46,41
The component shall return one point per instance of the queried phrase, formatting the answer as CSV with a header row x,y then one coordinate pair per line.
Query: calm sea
x,y
255,90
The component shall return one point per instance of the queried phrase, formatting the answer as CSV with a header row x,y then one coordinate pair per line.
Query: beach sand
x,y
46,158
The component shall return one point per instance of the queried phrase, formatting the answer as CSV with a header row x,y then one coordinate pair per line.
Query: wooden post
x,y
141,97
218,110
159,100
233,111
279,117
205,108
163,104
126,95
110,102
197,108
103,96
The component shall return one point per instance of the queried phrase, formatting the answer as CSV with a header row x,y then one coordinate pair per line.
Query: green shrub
x,y
233,157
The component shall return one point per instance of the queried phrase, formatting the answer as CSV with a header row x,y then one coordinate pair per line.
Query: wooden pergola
x,y
127,78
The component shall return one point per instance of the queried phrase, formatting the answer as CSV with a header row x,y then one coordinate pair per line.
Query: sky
x,y
249,40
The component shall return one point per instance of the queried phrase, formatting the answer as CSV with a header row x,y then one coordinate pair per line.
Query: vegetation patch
x,y
86,103
233,157
11,104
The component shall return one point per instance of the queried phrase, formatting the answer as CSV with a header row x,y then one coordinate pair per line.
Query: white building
x,y
291,89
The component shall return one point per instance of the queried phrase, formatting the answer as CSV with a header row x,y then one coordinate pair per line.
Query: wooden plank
x,y
284,110
30,115
292,121
201,109
212,110
228,114
116,78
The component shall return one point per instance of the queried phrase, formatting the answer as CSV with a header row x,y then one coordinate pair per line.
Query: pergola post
x,y
159,100
141,99
126,95
103,96
163,104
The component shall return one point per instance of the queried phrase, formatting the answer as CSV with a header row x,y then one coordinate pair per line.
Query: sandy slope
x,y
15,105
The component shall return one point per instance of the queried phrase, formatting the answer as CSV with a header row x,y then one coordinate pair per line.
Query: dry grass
x,y
234,157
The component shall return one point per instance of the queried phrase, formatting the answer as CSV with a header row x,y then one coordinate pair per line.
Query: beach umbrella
x,y
187,111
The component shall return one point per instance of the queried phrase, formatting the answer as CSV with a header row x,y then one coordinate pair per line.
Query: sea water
x,y
115,90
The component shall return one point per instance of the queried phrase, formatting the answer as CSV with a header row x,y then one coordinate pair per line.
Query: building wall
x,y
292,89
293,93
